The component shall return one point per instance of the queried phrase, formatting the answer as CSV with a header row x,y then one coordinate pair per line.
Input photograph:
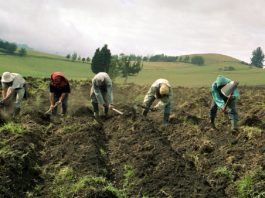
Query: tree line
x,y
133,62
11,48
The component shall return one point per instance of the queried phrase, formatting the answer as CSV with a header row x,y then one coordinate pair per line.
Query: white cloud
x,y
173,27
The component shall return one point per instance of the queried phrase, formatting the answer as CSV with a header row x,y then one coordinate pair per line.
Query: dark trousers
x,y
95,105
64,103
231,110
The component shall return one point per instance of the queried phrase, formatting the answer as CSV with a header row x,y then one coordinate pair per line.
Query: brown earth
x,y
133,156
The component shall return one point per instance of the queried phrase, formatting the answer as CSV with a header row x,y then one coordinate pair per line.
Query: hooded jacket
x,y
218,97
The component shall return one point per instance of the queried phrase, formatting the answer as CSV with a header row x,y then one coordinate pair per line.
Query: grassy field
x,y
180,74
38,64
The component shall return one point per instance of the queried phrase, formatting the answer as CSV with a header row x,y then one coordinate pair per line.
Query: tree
x,y
22,52
197,60
180,59
88,59
83,60
257,57
106,57
68,56
11,47
79,58
101,60
74,56
95,64
114,67
186,59
128,67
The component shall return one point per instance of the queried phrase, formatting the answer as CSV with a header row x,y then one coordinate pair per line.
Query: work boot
x,y
16,111
213,124
166,118
96,115
234,127
106,111
145,112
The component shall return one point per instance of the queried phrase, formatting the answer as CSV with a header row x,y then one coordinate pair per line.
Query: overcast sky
x,y
141,27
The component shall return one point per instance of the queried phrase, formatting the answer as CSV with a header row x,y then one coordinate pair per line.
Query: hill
x,y
39,64
216,58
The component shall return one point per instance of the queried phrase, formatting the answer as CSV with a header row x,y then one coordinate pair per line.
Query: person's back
x,y
13,84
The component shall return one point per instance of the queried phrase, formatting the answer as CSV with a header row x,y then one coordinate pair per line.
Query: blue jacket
x,y
215,91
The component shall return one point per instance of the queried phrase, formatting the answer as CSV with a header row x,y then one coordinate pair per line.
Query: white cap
x,y
7,77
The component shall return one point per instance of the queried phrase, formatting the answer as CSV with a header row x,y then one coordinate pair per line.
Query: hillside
x,y
215,58
38,64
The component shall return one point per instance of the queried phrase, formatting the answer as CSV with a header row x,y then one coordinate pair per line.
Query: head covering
x,y
221,80
58,79
7,77
164,89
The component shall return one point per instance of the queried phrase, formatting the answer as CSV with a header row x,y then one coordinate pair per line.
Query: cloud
x,y
142,27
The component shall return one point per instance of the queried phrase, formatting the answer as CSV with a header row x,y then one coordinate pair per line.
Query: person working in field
x,y
59,92
225,94
101,93
161,90
13,89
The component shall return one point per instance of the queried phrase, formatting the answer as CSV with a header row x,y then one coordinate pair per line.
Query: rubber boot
x,y
234,125
95,106
16,111
145,112
96,115
166,118
212,123
106,111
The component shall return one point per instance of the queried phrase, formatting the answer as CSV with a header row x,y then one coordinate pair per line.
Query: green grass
x,y
12,128
181,74
224,171
41,65
38,64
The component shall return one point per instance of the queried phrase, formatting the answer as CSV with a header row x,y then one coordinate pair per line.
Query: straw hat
x,y
7,77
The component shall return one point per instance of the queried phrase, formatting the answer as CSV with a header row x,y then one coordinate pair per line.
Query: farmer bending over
x,y
13,85
59,91
101,93
225,101
162,91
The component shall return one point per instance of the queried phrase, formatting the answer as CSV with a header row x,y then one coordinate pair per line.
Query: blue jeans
x,y
64,103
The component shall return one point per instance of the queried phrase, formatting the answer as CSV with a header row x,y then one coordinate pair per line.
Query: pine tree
x,y
257,57
101,60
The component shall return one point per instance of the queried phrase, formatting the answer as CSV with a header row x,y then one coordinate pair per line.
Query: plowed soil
x,y
129,155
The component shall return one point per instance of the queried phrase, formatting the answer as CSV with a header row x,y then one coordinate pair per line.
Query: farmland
x,y
129,155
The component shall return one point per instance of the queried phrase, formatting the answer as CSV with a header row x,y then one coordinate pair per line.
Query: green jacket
x,y
216,93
